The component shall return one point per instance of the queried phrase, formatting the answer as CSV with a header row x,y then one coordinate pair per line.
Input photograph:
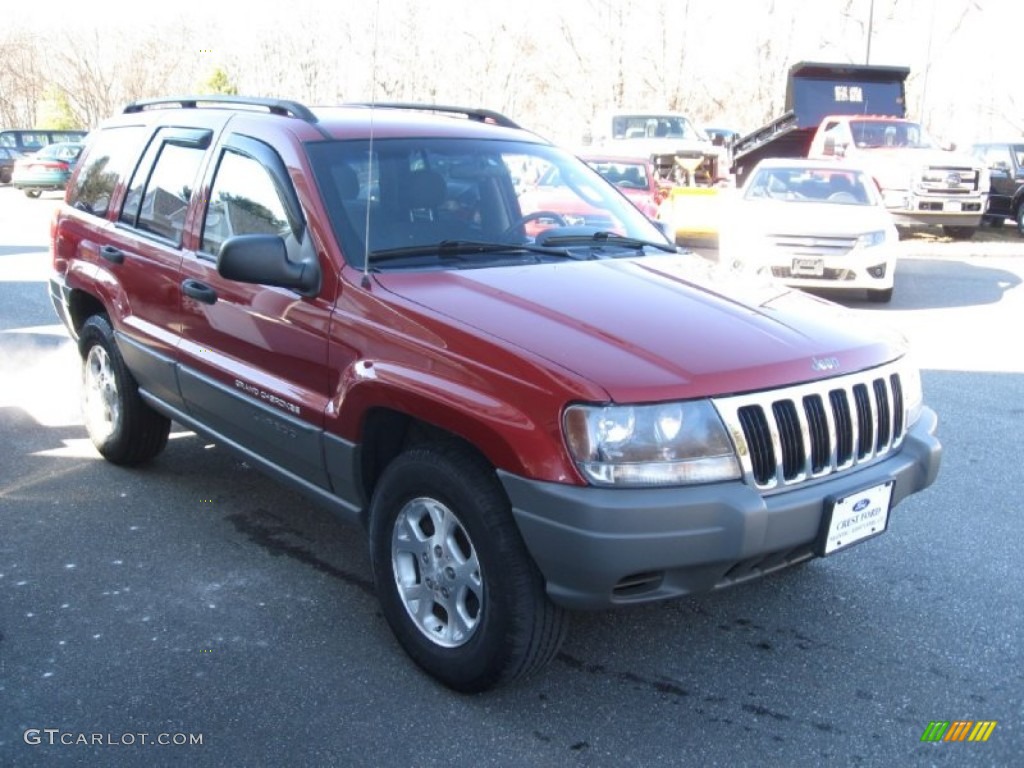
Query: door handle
x,y
199,291
112,254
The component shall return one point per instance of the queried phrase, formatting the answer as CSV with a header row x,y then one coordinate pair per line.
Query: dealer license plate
x,y
809,267
856,517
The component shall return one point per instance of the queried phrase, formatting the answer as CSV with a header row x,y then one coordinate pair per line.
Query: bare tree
x,y
553,66
22,81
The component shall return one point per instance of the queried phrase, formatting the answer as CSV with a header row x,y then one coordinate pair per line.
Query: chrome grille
x,y
940,179
794,434
806,245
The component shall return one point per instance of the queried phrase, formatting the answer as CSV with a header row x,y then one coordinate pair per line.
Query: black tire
x,y
958,233
1020,220
123,428
992,221
33,192
501,624
5,176
880,295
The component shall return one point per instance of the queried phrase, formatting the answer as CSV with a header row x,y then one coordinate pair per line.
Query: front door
x,y
253,357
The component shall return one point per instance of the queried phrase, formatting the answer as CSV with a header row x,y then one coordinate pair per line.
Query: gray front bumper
x,y
599,547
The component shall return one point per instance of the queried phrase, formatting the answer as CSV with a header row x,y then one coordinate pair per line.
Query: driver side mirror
x,y
263,260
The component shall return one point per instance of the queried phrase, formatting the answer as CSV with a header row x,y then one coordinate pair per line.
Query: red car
x,y
582,201
350,300
634,176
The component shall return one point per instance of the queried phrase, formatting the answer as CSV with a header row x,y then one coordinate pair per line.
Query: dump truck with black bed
x,y
858,113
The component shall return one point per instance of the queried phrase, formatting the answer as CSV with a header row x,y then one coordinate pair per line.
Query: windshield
x,y
417,203
891,133
625,174
65,152
656,126
811,185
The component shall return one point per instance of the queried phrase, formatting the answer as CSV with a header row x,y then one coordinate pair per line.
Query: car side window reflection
x,y
243,200
110,156
158,202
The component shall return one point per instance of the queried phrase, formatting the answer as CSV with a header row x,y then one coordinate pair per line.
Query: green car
x,y
48,169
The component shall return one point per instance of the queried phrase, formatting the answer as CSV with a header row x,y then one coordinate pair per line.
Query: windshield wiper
x,y
607,238
457,250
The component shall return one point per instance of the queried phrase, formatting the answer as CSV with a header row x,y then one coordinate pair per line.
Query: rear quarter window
x,y
109,158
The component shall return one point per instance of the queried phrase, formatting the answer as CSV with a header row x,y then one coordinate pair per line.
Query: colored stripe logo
x,y
959,730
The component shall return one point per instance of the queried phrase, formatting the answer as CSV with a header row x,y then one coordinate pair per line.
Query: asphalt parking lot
x,y
233,623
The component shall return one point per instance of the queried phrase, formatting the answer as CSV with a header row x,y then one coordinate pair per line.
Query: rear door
x,y
140,255
254,357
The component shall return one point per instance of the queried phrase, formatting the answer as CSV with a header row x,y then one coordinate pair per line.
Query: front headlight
x,y
871,239
644,445
913,393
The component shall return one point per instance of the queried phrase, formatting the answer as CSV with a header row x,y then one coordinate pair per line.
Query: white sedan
x,y
812,224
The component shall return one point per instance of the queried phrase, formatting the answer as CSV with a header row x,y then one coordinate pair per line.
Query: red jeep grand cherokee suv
x,y
577,418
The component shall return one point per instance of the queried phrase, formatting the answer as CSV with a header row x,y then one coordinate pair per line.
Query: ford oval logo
x,y
953,179
824,363
861,505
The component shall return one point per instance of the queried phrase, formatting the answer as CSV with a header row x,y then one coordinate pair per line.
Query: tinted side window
x,y
109,159
243,200
158,203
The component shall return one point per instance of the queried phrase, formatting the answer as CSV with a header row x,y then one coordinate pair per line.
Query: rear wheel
x,y
33,192
1020,220
5,176
454,579
122,427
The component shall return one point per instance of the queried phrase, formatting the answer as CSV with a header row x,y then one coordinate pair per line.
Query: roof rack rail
x,y
472,113
282,107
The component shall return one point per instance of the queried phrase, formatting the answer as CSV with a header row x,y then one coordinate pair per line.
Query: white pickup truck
x,y
921,182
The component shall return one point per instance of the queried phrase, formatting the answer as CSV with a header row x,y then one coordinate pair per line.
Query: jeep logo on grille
x,y
824,363
953,179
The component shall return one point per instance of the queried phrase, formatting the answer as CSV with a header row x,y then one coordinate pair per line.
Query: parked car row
x,y
48,169
823,224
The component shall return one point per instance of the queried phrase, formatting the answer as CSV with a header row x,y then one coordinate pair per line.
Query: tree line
x,y
551,67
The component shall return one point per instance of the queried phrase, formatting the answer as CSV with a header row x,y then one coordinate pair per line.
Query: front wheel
x,y
880,295
33,192
1020,220
454,579
122,427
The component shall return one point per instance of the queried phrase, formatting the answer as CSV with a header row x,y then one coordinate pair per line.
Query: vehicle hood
x,y
652,328
920,156
771,217
892,165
